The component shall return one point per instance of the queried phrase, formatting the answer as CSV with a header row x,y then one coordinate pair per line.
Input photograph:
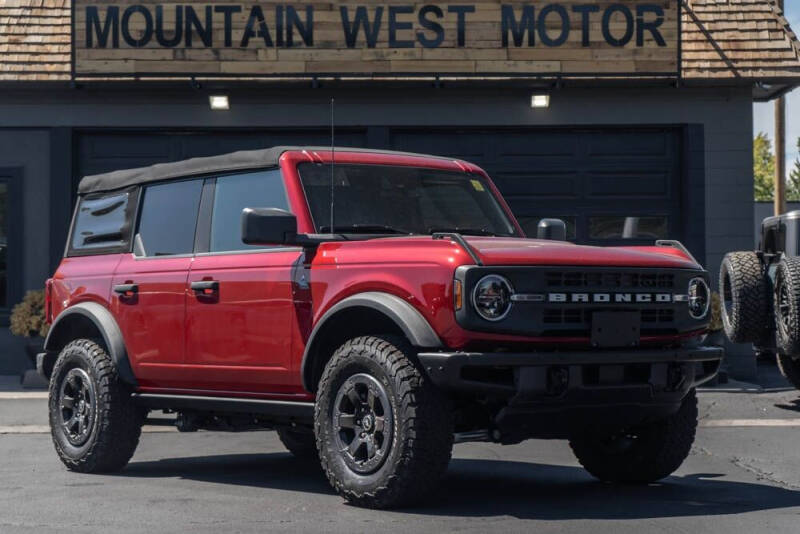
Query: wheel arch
x,y
88,320
366,313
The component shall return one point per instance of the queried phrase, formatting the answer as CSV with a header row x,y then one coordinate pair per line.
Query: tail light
x,y
48,301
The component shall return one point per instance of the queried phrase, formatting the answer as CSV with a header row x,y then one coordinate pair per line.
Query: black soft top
x,y
244,159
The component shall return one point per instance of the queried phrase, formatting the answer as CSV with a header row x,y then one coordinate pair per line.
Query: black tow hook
x,y
675,377
557,381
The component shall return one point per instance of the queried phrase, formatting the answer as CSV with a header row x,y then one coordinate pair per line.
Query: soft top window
x,y
102,224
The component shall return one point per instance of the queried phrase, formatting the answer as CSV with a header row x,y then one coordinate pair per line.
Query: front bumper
x,y
551,394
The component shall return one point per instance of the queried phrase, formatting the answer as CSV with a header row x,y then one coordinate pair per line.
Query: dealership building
x,y
631,120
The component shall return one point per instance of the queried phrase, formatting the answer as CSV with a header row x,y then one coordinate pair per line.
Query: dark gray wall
x,y
725,115
27,150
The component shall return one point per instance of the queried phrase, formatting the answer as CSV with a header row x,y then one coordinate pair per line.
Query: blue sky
x,y
763,118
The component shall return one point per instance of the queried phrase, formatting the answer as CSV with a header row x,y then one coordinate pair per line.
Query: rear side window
x,y
263,189
102,224
168,218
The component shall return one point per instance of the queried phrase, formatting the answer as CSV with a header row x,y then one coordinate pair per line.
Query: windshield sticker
x,y
477,185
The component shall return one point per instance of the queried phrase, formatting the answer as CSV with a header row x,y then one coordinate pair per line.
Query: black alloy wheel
x,y
362,418
783,308
77,403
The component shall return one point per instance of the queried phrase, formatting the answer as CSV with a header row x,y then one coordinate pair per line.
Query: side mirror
x,y
554,229
268,226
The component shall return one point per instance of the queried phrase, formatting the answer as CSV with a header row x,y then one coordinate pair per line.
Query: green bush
x,y
27,317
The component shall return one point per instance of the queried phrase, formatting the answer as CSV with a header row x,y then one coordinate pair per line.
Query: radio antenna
x,y
333,180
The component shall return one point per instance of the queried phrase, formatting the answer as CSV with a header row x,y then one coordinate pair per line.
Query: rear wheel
x,y
641,454
298,442
745,298
384,432
93,421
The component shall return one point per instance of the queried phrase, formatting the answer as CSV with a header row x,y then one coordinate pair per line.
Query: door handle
x,y
206,286
126,290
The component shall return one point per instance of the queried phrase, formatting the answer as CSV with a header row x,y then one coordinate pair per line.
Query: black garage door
x,y
103,151
611,186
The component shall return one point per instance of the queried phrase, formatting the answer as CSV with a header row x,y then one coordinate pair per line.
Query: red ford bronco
x,y
372,307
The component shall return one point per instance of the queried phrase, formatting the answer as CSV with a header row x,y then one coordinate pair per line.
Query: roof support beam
x,y
780,150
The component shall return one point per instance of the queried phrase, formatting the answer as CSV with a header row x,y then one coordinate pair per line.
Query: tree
x,y
763,168
793,180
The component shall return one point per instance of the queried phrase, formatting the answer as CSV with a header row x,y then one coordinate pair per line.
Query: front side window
x,y
169,217
262,189
102,224
402,200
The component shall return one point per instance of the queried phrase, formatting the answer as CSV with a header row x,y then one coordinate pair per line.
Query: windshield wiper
x,y
365,229
464,231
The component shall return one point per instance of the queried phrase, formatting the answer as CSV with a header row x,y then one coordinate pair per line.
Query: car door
x,y
149,286
240,311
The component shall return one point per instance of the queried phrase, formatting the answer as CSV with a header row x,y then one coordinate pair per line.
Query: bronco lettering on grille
x,y
616,298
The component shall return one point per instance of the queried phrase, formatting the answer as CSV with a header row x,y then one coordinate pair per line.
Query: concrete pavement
x,y
743,476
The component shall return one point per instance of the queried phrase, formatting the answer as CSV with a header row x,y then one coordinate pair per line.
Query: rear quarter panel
x,y
83,279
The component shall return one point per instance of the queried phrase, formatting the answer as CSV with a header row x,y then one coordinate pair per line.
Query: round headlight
x,y
699,298
492,297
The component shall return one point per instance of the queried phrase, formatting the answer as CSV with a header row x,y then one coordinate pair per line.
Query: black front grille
x,y
561,300
608,280
577,316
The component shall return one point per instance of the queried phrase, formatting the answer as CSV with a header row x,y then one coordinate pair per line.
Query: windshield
x,y
382,199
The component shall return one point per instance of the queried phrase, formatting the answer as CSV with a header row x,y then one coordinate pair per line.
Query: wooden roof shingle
x,y
35,40
721,40
738,39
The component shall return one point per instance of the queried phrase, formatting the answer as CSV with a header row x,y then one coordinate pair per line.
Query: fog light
x,y
219,102
540,101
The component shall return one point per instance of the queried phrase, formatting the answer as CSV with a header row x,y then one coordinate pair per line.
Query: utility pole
x,y
780,150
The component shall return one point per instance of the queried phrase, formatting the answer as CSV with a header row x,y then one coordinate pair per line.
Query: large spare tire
x,y
745,298
787,306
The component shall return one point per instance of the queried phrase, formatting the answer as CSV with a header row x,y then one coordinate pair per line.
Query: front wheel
x,y
94,423
384,432
641,454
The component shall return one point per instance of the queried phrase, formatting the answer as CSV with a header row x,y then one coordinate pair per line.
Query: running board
x,y
295,411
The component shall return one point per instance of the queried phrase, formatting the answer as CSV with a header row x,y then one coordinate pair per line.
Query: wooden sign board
x,y
480,38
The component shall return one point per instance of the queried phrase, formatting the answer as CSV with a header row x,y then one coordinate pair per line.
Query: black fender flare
x,y
416,329
104,322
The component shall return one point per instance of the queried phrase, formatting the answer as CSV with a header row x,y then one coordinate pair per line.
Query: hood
x,y
496,251
515,251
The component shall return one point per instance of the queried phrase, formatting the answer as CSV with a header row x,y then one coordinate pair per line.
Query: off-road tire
x,y
787,306
301,444
789,368
421,439
657,451
117,422
745,297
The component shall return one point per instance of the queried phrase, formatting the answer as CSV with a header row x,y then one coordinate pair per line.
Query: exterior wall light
x,y
540,101
219,102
